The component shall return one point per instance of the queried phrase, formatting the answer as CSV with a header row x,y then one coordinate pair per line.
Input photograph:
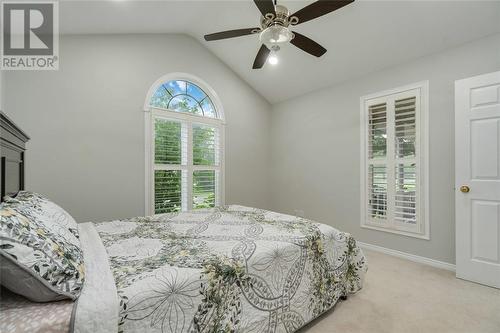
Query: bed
x,y
225,269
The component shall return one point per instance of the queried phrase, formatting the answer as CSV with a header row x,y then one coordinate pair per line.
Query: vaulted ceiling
x,y
362,37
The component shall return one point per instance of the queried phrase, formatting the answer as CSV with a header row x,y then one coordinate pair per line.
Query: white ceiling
x,y
362,37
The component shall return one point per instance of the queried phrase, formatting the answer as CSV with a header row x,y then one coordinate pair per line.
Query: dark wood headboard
x,y
13,146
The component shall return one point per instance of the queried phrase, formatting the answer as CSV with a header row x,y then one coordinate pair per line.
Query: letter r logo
x,y
28,29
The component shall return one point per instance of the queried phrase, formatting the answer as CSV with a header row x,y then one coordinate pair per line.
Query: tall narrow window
x,y
394,149
186,149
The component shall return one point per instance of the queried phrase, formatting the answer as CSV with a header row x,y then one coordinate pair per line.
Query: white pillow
x,y
39,249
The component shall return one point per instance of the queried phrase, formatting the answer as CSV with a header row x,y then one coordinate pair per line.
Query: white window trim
x,y
149,115
423,160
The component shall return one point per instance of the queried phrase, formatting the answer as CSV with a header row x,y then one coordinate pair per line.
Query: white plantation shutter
x,y
377,193
405,170
392,175
170,165
205,145
204,188
377,156
170,139
405,210
206,148
187,162
168,191
377,127
405,125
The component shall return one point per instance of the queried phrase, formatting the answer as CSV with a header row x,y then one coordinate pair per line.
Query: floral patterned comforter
x,y
228,269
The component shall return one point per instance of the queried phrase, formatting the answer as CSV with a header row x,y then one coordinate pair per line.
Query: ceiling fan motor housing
x,y
275,31
282,18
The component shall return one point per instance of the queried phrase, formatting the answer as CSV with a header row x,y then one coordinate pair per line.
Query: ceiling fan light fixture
x,y
273,58
276,35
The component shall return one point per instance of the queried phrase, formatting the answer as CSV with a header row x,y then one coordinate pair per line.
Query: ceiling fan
x,y
274,30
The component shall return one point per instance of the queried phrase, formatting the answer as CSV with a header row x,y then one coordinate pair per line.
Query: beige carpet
x,y
403,296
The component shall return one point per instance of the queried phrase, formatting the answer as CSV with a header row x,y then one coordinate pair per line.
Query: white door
x,y
477,178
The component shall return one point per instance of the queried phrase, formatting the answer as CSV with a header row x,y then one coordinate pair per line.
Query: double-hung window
x,y
394,160
185,150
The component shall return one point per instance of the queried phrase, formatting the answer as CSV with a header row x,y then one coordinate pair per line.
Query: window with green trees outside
x,y
187,153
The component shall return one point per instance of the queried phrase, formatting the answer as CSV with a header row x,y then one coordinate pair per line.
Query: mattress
x,y
226,269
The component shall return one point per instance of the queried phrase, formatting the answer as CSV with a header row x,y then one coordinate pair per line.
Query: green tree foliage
x,y
203,145
379,146
186,104
168,142
204,189
168,150
167,191
203,154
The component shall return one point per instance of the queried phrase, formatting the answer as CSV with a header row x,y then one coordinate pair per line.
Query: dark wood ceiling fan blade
x,y
265,6
261,57
308,45
319,8
231,34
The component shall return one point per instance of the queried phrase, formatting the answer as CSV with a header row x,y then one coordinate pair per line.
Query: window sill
x,y
425,236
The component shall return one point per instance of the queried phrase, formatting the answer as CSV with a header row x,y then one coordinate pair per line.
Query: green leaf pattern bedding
x,y
228,269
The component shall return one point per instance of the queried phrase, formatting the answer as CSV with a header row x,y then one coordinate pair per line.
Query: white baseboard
x,y
408,256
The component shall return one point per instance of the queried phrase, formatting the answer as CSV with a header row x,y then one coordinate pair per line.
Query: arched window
x,y
184,157
183,96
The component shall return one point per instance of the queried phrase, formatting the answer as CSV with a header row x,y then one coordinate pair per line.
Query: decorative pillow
x,y
48,210
41,260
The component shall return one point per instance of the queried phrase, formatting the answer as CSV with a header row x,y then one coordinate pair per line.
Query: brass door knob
x,y
464,189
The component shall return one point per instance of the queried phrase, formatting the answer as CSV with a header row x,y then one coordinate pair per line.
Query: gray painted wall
x,y
87,126
87,130
1,90
316,147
